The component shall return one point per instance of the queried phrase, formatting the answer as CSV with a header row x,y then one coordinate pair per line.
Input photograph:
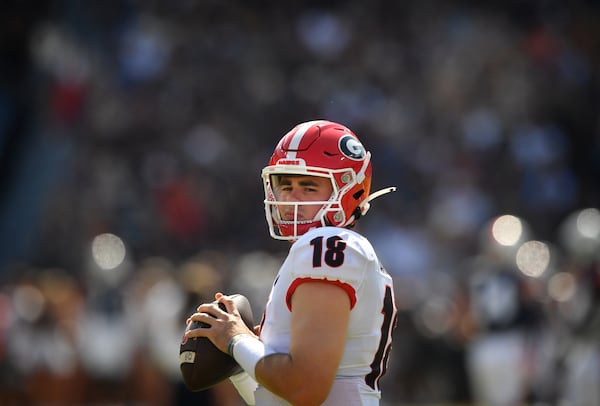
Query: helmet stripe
x,y
297,138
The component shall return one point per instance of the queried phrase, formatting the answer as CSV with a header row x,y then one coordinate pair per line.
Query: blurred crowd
x,y
151,120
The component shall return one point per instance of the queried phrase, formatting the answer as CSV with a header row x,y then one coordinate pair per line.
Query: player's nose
x,y
290,196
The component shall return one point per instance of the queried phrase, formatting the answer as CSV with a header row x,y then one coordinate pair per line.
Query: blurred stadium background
x,y
132,134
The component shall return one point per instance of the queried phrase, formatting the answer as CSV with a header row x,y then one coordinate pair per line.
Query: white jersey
x,y
347,259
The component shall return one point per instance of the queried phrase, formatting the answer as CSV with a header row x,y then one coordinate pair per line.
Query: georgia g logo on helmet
x,y
352,148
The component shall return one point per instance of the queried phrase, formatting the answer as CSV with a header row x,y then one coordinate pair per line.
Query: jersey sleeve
x,y
332,255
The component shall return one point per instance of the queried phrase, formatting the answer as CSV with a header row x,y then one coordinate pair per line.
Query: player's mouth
x,y
291,216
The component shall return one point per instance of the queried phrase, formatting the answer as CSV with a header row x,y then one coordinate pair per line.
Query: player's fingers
x,y
230,306
204,326
203,306
202,317
210,308
197,332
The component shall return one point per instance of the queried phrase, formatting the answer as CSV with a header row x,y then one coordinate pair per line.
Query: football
x,y
202,364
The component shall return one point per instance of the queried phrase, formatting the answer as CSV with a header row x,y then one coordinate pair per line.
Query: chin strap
x,y
365,205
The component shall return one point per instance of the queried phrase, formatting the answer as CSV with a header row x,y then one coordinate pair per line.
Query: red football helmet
x,y
325,149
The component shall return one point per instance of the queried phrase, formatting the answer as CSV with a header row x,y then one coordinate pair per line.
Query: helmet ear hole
x,y
358,194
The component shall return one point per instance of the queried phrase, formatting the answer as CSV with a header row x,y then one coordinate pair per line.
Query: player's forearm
x,y
275,372
288,380
303,379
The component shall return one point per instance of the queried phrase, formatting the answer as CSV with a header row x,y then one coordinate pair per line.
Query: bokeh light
x,y
108,251
533,258
588,223
562,286
28,302
579,233
507,230
434,318
503,235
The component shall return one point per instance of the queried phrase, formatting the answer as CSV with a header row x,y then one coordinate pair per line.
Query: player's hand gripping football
x,y
220,326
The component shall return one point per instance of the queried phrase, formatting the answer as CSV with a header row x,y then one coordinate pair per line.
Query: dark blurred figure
x,y
506,335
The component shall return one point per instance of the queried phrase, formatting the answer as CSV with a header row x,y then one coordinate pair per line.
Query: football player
x,y
326,332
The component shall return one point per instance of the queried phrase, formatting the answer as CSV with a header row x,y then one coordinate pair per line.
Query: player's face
x,y
301,188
